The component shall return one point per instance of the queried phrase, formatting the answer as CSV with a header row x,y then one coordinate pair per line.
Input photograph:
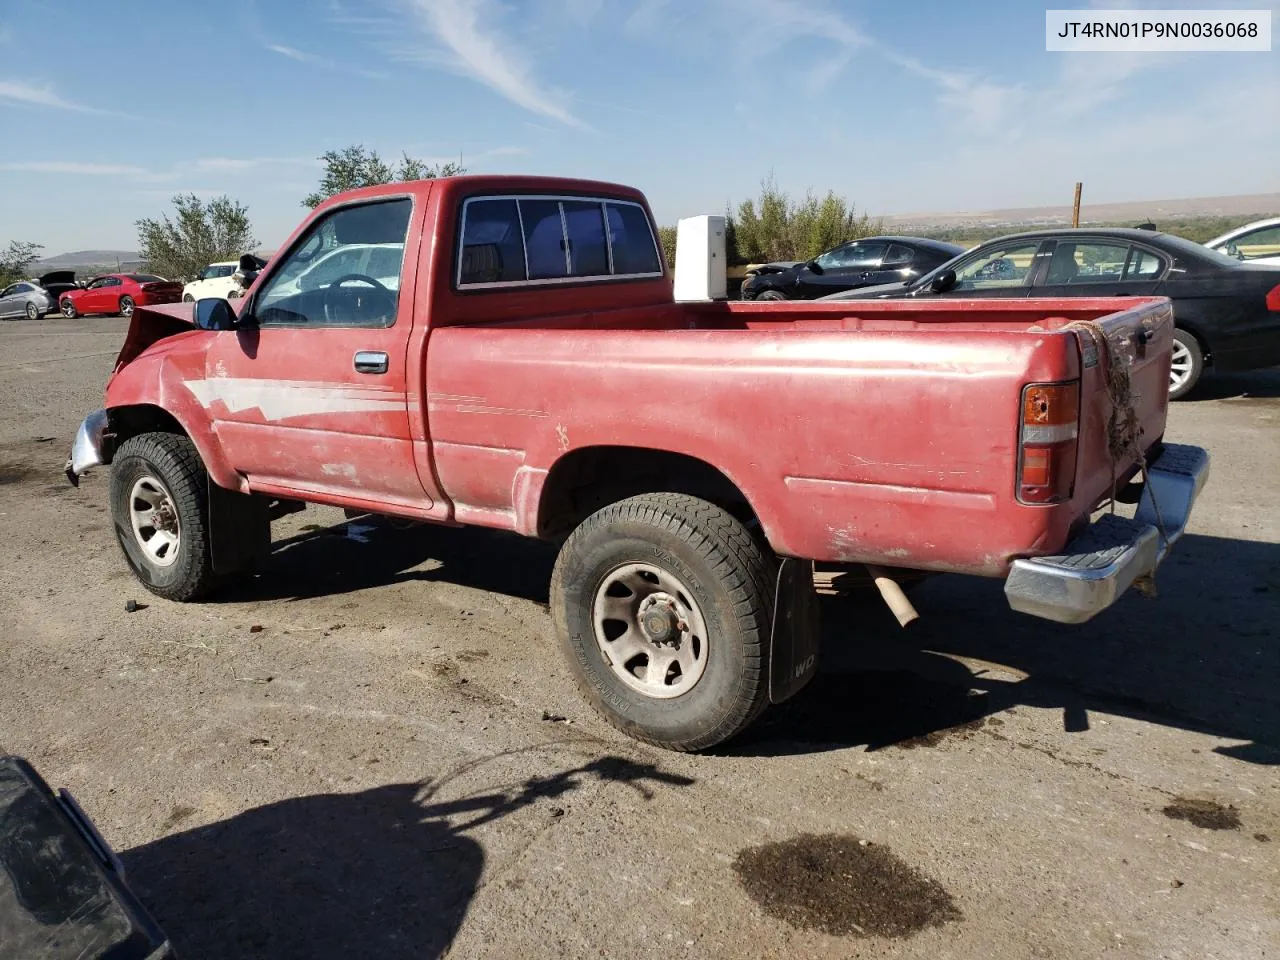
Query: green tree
x,y
776,227
355,166
197,235
16,260
667,240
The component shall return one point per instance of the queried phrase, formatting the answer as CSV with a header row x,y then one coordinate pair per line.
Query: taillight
x,y
1273,300
1047,452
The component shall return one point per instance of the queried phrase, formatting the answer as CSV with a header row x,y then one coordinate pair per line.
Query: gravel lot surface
x,y
375,750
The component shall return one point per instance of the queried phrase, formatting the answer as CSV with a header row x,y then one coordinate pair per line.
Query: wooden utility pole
x,y
1075,209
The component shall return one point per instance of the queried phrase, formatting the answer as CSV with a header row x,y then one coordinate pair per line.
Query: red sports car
x,y
119,293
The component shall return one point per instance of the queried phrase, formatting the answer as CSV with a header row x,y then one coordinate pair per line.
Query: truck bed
x,y
892,426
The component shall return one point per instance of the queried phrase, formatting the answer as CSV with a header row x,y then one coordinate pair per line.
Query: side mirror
x,y
214,313
943,281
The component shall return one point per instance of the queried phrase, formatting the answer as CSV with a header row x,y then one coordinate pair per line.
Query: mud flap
x,y
239,530
794,642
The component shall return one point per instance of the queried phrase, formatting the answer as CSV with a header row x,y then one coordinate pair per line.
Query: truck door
x,y
311,394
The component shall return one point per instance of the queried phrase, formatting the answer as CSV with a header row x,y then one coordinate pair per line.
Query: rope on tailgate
x,y
1124,430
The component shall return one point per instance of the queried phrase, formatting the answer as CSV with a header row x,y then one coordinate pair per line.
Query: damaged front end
x,y
89,448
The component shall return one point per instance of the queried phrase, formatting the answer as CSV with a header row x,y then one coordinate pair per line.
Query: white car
x,y
1257,242
215,280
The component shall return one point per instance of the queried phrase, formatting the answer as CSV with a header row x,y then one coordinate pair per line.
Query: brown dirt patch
x,y
842,886
1204,813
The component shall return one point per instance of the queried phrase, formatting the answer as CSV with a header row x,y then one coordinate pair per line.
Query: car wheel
x,y
663,604
126,306
1186,366
160,511
33,312
69,309
771,295
233,294
188,298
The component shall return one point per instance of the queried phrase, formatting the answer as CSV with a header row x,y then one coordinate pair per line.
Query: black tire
x,y
1190,350
188,298
729,576
771,295
33,312
69,310
126,306
172,460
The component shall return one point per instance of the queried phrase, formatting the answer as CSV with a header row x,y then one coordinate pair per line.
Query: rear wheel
x,y
160,511
188,298
771,295
664,606
33,312
126,306
69,309
1186,365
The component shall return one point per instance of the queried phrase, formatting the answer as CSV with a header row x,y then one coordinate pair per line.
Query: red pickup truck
x,y
506,352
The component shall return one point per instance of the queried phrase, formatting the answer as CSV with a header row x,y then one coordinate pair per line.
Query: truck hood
x,y
150,326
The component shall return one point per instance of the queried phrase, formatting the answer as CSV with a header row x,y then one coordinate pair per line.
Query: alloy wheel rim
x,y
1180,366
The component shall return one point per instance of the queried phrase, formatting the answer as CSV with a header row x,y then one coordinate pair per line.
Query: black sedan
x,y
1227,312
859,263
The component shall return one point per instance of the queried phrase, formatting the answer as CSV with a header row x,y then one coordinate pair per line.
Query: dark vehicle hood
x,y
57,276
881,291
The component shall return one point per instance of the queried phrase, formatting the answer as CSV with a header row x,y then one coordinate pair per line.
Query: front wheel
x,y
126,306
160,511
664,606
69,309
188,298
1186,366
771,295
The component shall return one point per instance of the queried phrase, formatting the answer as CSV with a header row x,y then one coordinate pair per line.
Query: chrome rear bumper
x,y
86,450
1099,565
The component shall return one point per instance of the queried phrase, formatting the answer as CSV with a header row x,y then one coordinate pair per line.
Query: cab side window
x,y
343,272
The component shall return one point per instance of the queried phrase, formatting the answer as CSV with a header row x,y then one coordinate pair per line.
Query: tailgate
x,y
1141,338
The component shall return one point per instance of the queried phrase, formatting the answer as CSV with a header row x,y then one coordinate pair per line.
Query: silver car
x,y
26,299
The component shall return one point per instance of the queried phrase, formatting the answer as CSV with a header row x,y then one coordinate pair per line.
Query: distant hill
x,y
79,258
1132,210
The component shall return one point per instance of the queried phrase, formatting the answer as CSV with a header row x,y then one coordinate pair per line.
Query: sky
x,y
109,109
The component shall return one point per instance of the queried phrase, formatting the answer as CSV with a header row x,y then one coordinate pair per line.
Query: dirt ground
x,y
375,750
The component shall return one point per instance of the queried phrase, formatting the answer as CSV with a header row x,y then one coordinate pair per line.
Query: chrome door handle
x,y
370,361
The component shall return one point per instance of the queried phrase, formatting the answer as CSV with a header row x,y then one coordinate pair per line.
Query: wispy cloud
x,y
293,53
77,168
23,94
301,56
982,103
647,16
465,38
242,164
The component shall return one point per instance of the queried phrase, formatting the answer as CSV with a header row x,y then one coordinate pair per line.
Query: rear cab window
x,y
527,240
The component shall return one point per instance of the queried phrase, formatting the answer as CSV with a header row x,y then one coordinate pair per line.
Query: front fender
x,y
155,383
